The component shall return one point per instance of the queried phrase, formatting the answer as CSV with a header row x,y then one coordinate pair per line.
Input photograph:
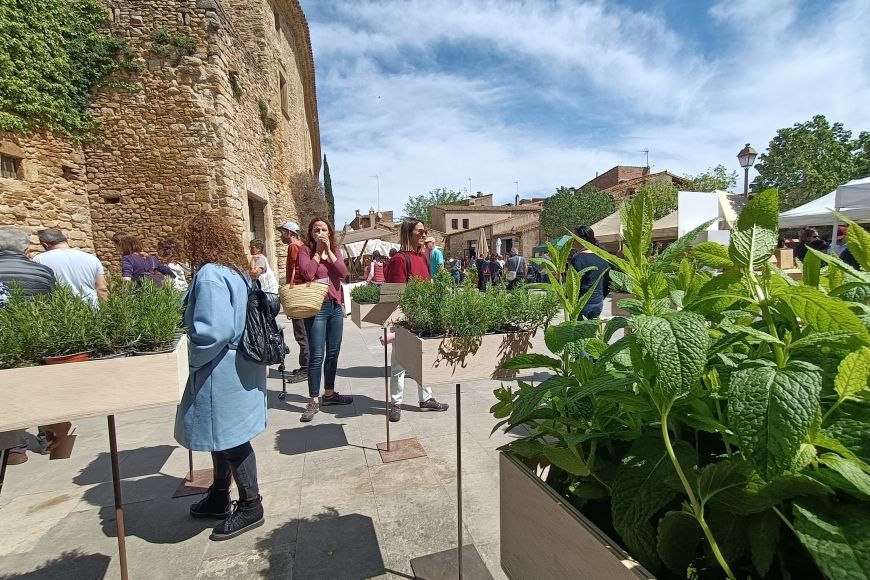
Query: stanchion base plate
x,y
202,479
444,565
401,449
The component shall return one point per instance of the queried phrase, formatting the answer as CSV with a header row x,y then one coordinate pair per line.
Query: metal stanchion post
x,y
459,476
3,463
387,389
190,465
119,507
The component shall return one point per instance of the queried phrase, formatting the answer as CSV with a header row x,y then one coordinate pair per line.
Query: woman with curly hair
x,y
320,259
224,402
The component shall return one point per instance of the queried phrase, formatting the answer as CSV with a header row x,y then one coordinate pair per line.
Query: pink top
x,y
336,272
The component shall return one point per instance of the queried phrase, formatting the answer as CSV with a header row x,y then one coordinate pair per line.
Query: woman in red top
x,y
321,260
410,261
376,269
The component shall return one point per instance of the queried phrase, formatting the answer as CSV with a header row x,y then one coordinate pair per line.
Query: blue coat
x,y
224,402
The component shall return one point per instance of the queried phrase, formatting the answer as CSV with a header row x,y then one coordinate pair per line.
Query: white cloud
x,y
613,81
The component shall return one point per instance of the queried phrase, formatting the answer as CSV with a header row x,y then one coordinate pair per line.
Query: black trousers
x,y
302,340
238,463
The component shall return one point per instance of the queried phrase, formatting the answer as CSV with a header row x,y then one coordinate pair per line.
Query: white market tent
x,y
368,247
609,230
851,199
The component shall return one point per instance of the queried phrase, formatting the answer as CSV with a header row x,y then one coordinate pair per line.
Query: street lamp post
x,y
746,157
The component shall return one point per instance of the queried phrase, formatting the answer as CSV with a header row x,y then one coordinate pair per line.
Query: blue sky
x,y
430,93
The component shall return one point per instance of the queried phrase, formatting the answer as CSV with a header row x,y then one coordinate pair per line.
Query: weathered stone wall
x,y
51,190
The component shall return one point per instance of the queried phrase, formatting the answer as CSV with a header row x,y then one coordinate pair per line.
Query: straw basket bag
x,y
302,300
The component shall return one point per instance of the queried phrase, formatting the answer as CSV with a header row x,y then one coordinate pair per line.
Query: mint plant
x,y
727,434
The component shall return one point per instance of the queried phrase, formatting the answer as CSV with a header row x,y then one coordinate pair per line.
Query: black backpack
x,y
262,340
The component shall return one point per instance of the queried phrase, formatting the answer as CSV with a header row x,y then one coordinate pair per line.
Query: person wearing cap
x,y
837,246
290,236
436,257
79,270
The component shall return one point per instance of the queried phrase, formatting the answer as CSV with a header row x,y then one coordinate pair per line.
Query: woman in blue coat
x,y
224,402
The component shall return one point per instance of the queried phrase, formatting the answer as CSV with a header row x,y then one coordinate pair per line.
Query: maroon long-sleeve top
x,y
335,271
397,269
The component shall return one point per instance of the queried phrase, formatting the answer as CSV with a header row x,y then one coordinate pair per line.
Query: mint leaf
x,y
850,471
637,221
817,339
722,476
858,242
640,490
712,254
530,398
678,539
822,313
677,344
566,460
771,411
754,240
664,260
812,270
852,374
851,427
837,536
558,335
758,496
763,530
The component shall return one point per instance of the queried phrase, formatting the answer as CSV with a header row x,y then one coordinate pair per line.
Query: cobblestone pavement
x,y
333,509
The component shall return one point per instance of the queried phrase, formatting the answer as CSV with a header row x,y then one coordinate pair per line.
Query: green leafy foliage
x,y
662,194
366,294
54,53
420,206
142,318
327,189
567,209
715,435
714,178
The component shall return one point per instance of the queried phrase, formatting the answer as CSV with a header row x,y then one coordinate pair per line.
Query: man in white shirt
x,y
79,270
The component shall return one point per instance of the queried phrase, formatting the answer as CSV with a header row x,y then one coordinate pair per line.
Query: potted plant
x,y
145,318
725,436
455,333
366,310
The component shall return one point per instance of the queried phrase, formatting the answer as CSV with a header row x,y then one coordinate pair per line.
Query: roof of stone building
x,y
629,184
490,208
375,233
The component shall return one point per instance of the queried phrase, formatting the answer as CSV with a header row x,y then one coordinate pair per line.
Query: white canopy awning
x,y
353,250
609,229
851,199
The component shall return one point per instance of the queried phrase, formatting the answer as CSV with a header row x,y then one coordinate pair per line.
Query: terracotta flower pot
x,y
67,358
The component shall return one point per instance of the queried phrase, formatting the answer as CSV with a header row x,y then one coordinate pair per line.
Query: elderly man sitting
x,y
33,279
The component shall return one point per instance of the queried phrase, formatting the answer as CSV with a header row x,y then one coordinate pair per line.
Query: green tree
x,y
714,178
807,161
327,188
663,194
419,206
567,209
862,158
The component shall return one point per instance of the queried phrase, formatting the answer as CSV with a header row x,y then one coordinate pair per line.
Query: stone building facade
x,y
223,115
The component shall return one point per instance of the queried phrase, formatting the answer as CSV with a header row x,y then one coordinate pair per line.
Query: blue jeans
x,y
592,310
324,331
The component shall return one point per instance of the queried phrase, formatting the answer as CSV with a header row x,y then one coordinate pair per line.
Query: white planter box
x,y
43,395
374,315
432,361
542,536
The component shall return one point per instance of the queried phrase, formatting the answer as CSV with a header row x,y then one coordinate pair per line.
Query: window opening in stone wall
x,y
454,224
257,220
69,172
10,167
464,224
282,87
111,198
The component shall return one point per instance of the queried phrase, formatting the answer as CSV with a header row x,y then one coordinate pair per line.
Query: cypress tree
x,y
327,187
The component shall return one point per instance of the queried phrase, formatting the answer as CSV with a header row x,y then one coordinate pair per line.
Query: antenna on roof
x,y
646,150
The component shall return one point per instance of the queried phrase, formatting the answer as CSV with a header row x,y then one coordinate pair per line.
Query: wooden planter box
x,y
372,315
542,536
432,361
43,395
615,310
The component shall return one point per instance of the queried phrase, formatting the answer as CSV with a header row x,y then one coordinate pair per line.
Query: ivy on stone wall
x,y
165,44
53,53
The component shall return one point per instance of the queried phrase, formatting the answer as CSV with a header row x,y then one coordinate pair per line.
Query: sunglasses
x,y
420,232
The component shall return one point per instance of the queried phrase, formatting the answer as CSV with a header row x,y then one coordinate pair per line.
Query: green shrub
x,y
366,294
157,312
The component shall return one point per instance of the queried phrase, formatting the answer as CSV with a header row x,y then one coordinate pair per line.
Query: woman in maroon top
x,y
409,262
321,260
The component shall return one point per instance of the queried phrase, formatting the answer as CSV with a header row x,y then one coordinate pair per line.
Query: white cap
x,y
290,227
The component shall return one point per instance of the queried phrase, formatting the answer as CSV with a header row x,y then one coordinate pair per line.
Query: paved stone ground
x,y
333,509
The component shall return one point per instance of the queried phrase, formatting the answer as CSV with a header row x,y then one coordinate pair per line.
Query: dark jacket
x,y
32,277
585,260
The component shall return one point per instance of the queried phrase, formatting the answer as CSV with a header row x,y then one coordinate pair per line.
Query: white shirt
x,y
74,268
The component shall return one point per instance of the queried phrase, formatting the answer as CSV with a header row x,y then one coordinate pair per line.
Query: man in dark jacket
x,y
33,278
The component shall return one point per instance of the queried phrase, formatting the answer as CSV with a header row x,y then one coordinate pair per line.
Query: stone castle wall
x,y
182,141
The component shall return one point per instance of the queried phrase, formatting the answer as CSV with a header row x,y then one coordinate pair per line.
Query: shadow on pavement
x,y
68,565
310,438
376,372
149,460
293,396
327,545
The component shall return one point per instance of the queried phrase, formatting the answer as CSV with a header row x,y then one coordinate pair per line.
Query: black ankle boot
x,y
216,504
246,515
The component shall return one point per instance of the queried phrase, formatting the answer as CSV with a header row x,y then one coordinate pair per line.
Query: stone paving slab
x,y
333,509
